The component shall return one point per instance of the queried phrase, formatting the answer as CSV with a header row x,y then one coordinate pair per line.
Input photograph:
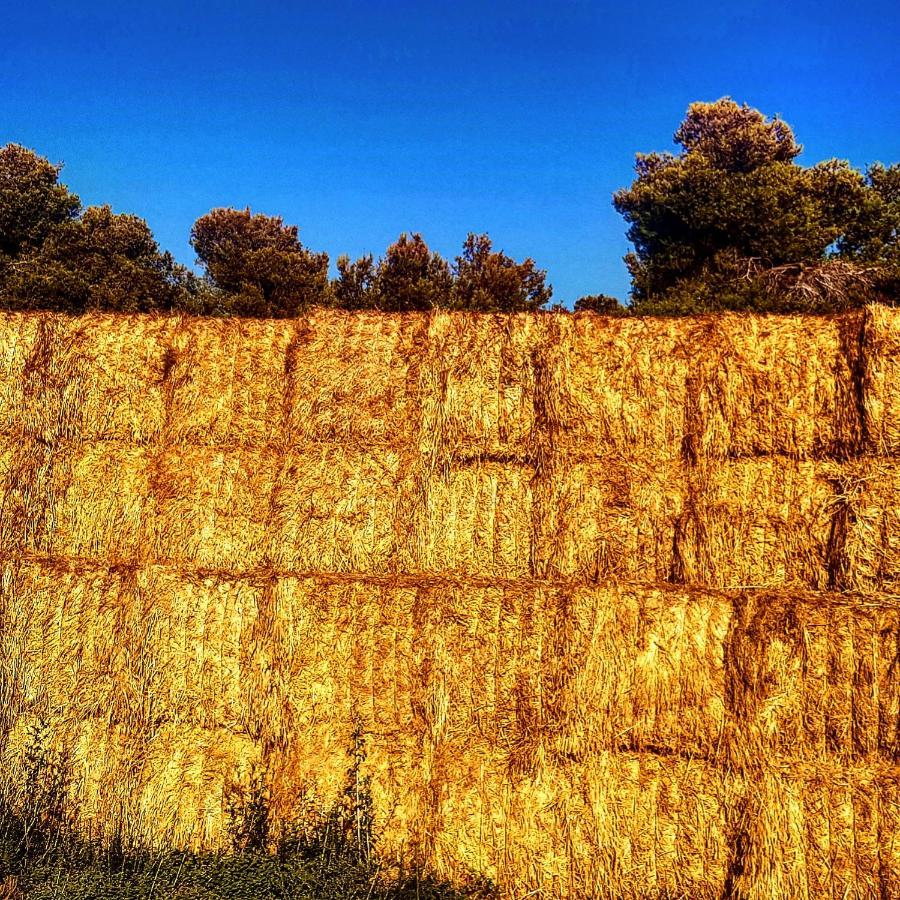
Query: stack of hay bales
x,y
612,601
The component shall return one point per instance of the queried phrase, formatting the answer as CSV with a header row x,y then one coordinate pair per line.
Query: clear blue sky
x,y
357,121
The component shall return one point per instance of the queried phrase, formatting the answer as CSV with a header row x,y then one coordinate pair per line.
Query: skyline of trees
x,y
730,221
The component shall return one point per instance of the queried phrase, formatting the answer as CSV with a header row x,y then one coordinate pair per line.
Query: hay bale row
x,y
545,670
554,736
541,669
334,508
458,386
635,825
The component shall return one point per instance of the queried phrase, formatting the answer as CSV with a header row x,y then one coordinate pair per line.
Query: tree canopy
x,y
734,202
411,276
32,201
258,263
56,255
731,220
489,280
98,261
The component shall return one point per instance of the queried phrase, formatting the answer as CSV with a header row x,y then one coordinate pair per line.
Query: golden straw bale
x,y
171,788
342,509
881,379
101,502
225,380
214,506
355,378
774,385
611,826
18,334
818,830
27,499
612,517
620,384
635,667
196,645
868,523
758,523
478,387
123,366
74,643
188,777
478,520
96,377
813,676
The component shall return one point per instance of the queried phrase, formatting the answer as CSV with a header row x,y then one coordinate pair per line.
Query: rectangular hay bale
x,y
342,509
881,379
813,677
18,334
869,526
214,506
620,385
478,386
758,523
477,520
818,830
608,518
775,386
354,378
97,377
226,381
610,826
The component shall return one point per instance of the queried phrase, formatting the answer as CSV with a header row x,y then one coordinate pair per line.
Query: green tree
x,y
874,234
100,261
494,282
354,288
259,264
410,277
602,304
32,201
732,202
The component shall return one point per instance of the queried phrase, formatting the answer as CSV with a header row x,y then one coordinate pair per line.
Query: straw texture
x,y
613,601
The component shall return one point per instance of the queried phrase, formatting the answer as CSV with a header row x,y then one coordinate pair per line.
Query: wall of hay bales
x,y
614,601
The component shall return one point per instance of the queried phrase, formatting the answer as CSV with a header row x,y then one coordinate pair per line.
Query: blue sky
x,y
357,121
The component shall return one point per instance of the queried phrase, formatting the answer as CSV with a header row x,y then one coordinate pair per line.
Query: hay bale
x,y
813,677
598,519
99,502
73,640
478,385
635,668
775,386
18,334
188,779
868,523
27,501
881,379
96,377
226,383
620,385
354,378
214,506
477,520
818,830
758,523
170,790
342,509
611,826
